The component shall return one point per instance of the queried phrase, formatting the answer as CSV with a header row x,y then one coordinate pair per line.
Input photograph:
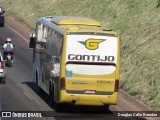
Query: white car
x,y
2,70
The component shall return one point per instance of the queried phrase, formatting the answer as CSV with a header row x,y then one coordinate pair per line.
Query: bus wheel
x,y
105,107
39,90
51,94
53,104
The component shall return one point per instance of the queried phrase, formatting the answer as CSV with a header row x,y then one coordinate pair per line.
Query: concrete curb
x,y
133,101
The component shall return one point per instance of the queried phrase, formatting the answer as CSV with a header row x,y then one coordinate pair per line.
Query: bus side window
x,y
41,35
48,58
55,71
44,37
39,31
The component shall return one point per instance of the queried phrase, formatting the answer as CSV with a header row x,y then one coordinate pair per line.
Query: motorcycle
x,y
8,59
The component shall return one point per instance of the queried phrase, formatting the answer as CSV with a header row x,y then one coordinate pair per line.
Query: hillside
x,y
138,22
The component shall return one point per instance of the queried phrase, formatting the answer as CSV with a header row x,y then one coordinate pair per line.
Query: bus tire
x,y
51,94
53,103
39,90
105,107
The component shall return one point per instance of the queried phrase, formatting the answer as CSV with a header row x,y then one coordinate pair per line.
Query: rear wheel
x,y
39,90
51,94
105,107
56,106
59,107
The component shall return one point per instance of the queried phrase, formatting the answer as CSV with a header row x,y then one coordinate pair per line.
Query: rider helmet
x,y
8,40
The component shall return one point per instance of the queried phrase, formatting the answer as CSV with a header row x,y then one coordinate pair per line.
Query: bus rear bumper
x,y
88,99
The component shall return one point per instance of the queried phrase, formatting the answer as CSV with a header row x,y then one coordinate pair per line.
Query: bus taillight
x,y
116,87
62,83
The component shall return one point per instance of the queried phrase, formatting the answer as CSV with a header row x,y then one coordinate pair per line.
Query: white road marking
x,y
28,96
25,39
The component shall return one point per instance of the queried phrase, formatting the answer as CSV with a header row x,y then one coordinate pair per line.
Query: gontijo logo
x,y
91,44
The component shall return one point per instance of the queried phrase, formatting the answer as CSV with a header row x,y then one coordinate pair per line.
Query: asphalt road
x,y
20,94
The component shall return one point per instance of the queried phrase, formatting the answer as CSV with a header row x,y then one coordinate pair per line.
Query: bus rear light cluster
x,y
116,87
63,83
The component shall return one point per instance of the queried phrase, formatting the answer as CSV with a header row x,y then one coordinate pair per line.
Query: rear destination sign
x,y
90,57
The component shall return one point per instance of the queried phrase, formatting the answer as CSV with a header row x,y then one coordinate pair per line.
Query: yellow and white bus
x,y
76,61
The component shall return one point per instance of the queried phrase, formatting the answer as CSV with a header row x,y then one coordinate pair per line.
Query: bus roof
x,y
74,24
74,20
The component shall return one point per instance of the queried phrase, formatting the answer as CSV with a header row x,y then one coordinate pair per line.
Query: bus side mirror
x,y
32,42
